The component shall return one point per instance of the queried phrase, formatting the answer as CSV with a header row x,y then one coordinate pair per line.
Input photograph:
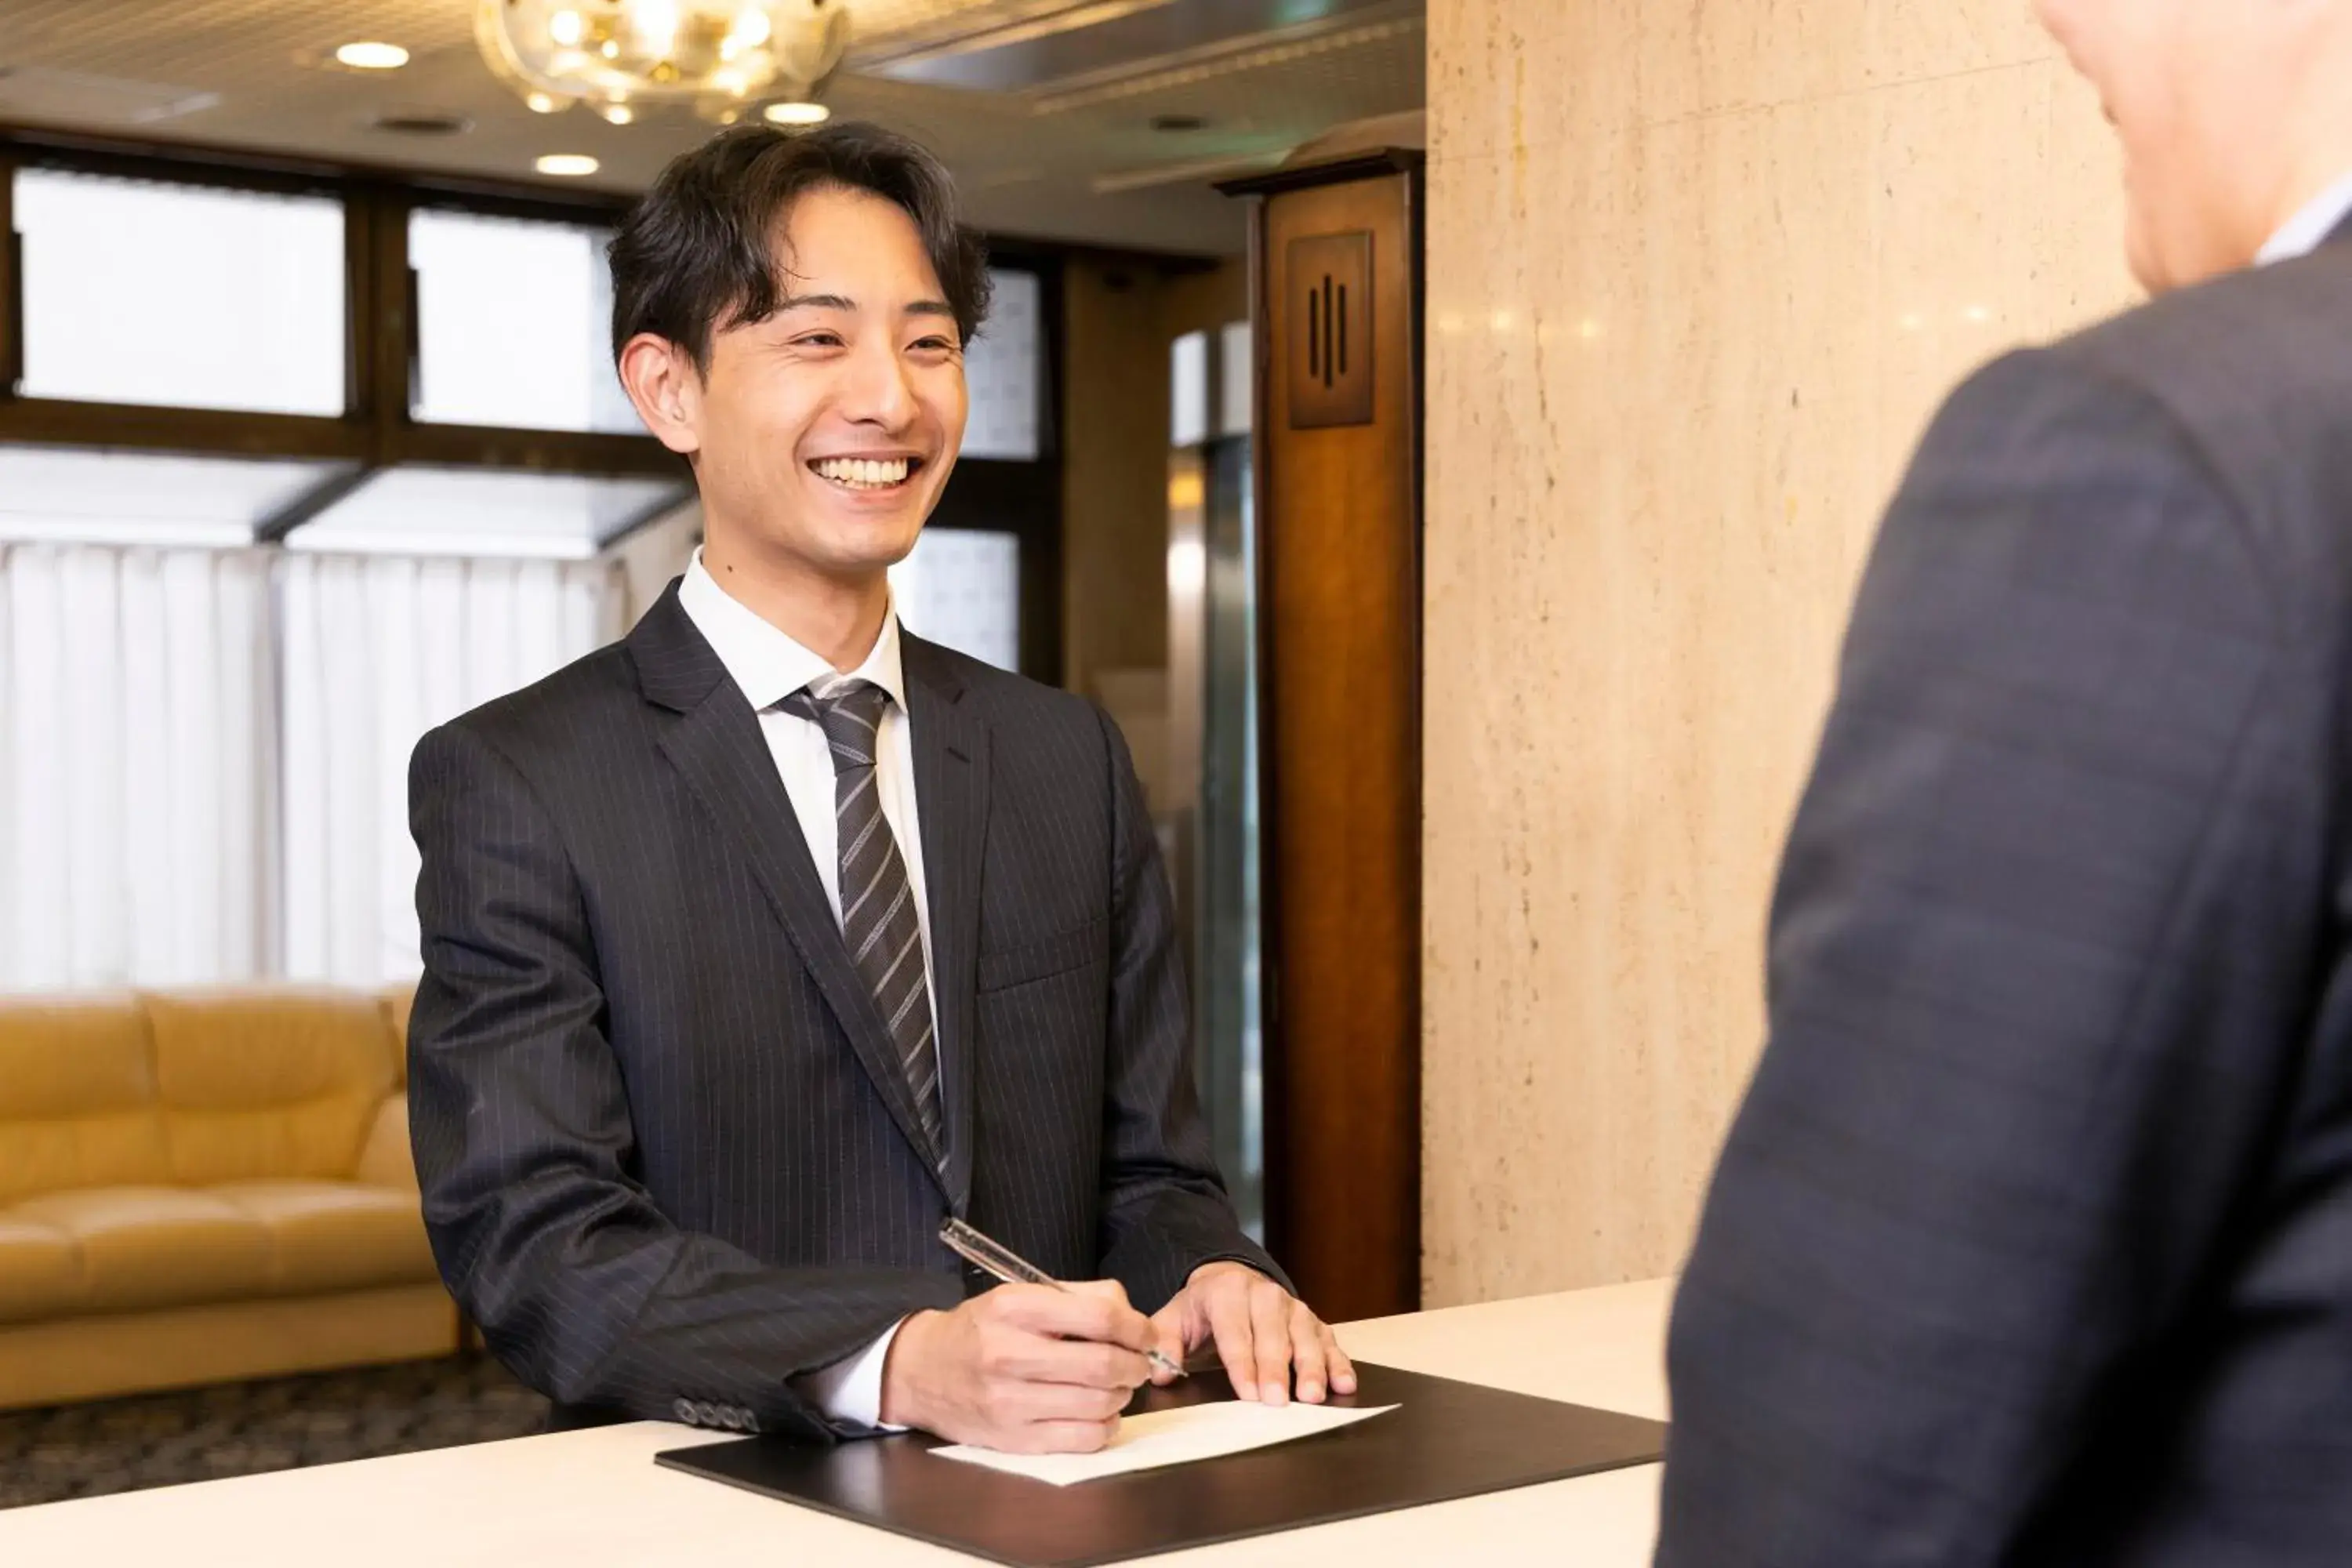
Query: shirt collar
x,y
767,665
2308,229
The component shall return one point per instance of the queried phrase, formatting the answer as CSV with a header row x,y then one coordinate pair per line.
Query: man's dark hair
x,y
696,254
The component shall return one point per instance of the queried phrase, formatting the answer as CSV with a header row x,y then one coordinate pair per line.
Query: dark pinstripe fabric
x,y
2032,1243
668,1147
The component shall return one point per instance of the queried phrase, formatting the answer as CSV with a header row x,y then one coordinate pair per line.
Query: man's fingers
x,y
1229,1322
1057,1436
1105,1290
1167,1336
1308,1353
1030,1357
1097,1310
1032,1402
1343,1369
1270,1337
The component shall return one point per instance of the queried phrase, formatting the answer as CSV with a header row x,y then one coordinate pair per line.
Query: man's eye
x,y
820,340
933,345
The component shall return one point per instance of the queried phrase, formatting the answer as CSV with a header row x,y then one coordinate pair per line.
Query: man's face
x,y
825,433
2199,91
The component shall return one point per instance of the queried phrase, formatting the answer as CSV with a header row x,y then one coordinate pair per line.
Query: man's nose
x,y
880,392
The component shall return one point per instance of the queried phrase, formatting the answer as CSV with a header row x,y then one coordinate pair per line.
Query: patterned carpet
x,y
244,1428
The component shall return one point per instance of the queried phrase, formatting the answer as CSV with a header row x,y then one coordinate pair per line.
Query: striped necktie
x,y
878,919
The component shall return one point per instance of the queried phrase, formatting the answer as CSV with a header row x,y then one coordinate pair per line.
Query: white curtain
x,y
137,760
376,650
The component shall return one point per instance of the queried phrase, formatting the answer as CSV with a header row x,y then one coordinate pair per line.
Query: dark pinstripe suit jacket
x,y
667,1150
2032,1243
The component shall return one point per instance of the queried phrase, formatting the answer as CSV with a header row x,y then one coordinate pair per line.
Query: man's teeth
x,y
863,473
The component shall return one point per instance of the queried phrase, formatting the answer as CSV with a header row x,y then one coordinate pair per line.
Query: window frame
x,y
375,430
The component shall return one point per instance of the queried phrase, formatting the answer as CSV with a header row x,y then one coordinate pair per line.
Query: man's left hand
x,y
1263,1333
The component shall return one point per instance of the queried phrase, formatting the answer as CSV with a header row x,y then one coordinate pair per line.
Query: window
x,y
1002,373
136,291
962,588
514,322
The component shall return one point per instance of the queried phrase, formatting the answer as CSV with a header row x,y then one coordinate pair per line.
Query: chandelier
x,y
723,57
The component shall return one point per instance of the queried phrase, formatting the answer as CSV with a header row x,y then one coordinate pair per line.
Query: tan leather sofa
x,y
202,1186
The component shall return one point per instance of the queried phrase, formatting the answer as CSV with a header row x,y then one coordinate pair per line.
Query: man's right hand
x,y
1026,1368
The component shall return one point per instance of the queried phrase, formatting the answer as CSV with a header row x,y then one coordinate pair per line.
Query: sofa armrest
x,y
385,1159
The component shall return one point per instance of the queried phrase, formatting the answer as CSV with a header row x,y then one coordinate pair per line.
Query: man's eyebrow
x,y
842,302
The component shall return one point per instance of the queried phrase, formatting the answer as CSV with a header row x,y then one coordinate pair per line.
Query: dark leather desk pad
x,y
1445,1440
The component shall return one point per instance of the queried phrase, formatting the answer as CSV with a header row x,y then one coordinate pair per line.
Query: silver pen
x,y
995,1258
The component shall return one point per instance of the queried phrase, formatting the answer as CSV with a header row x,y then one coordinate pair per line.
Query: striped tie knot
x,y
849,712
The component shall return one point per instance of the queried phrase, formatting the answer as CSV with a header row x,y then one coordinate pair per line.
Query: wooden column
x,y
1336,260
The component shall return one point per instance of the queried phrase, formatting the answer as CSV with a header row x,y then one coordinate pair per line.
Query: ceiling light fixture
x,y
797,113
567,165
719,56
372,56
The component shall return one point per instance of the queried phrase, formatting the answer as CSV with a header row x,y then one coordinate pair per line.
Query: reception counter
x,y
595,1498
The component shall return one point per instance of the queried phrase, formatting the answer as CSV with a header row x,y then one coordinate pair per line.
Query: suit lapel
x,y
950,745
717,747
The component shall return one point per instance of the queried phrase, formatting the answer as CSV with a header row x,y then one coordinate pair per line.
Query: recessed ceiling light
x,y
798,113
370,57
567,165
618,113
543,102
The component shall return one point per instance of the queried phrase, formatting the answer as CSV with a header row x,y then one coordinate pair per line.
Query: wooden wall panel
x,y
1339,542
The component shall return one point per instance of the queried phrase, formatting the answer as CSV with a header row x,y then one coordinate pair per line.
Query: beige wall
x,y
1699,273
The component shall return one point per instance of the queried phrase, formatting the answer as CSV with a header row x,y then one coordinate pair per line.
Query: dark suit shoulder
x,y
2271,337
1012,702
561,715
2252,371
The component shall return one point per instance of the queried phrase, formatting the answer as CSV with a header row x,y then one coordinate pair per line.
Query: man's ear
x,y
661,379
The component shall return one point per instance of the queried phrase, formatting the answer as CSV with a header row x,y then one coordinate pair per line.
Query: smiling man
x,y
761,942
2031,1247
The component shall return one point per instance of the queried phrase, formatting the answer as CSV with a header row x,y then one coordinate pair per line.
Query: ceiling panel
x,y
1070,155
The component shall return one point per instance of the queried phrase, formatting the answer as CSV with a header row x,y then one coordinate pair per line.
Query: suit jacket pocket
x,y
1048,956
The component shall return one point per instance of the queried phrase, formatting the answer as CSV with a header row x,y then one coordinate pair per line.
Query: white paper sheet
x,y
1180,1436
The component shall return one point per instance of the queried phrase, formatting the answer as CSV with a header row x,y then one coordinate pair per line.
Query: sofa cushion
x,y
399,1002
389,1159
267,1085
40,1271
156,1247
336,1236
78,1104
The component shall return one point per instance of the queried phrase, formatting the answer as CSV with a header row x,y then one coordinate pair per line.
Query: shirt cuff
x,y
850,1390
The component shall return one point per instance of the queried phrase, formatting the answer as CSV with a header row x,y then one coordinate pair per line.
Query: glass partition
x,y
1216,864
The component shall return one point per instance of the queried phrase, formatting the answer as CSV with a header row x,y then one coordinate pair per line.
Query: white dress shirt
x,y
2307,231
768,667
